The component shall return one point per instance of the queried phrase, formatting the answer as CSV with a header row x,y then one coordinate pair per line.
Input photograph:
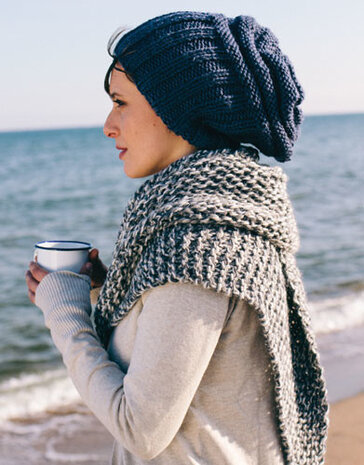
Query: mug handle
x,y
35,255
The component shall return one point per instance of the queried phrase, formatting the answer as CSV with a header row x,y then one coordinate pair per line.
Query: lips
x,y
122,151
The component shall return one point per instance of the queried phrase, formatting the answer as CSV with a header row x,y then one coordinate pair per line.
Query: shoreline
x,y
342,358
62,437
71,434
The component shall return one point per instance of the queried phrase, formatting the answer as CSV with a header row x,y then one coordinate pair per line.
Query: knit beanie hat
x,y
218,82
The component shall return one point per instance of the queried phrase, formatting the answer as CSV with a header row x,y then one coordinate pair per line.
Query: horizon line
x,y
94,126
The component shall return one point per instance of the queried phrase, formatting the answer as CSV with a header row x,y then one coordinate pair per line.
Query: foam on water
x,y
55,456
337,313
73,438
30,394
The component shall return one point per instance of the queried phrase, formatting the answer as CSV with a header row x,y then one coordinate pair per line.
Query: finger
x,y
86,269
37,271
31,296
94,255
31,282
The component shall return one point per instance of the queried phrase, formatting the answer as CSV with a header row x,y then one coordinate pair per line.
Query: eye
x,y
119,103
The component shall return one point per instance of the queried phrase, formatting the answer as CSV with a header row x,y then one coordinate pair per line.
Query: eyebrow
x,y
116,94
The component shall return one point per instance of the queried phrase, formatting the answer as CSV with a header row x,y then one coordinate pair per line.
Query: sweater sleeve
x,y
178,330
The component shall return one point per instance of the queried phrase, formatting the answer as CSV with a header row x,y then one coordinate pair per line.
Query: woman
x,y
202,351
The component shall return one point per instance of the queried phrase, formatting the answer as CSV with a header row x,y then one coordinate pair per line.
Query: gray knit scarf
x,y
222,220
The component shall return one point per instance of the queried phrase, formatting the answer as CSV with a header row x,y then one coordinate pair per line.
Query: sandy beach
x,y
346,432
54,439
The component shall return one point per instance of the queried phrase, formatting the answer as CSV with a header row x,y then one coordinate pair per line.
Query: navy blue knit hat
x,y
216,81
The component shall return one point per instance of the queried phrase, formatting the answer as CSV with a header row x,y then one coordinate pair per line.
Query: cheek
x,y
135,123
158,129
151,132
129,127
144,130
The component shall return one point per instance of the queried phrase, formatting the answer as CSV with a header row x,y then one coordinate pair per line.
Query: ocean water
x,y
70,184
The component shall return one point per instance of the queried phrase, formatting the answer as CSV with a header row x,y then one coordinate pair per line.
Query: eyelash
x,y
119,103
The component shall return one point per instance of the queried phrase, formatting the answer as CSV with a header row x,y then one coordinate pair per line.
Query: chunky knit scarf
x,y
222,220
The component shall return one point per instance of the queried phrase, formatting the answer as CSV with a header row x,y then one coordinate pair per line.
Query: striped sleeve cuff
x,y
64,298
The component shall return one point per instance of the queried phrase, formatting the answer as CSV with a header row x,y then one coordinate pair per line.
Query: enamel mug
x,y
62,255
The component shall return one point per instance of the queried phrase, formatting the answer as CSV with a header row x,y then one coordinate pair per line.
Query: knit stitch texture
x,y
216,81
222,220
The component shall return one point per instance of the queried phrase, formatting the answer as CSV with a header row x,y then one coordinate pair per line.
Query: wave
x,y
55,438
27,395
337,313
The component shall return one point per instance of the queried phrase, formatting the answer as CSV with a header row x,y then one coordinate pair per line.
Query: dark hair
x,y
114,39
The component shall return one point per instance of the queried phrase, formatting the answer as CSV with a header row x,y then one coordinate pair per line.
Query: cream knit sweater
x,y
185,379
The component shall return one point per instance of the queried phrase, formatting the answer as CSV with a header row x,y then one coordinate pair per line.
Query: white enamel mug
x,y
62,255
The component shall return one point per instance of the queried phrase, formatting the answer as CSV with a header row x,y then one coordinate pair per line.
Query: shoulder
x,y
187,298
185,291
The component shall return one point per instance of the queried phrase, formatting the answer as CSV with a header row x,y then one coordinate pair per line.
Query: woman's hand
x,y
33,277
95,269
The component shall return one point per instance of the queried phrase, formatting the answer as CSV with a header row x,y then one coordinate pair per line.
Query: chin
x,y
135,174
139,173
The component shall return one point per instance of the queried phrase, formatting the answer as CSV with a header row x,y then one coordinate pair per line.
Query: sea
x,y
70,184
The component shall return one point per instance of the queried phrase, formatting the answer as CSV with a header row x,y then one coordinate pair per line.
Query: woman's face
x,y
145,143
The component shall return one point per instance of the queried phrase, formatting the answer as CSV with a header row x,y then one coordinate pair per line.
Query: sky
x,y
54,58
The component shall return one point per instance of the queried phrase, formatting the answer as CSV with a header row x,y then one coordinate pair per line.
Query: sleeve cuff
x,y
62,288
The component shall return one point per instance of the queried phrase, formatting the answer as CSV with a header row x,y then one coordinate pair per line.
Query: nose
x,y
110,128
